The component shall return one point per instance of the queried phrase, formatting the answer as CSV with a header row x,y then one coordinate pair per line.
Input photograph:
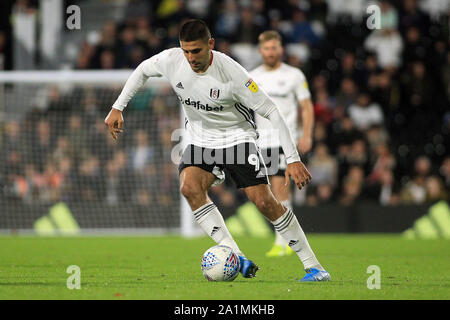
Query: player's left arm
x,y
307,117
248,92
295,167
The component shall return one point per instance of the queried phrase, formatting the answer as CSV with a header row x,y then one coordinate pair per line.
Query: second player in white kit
x,y
288,87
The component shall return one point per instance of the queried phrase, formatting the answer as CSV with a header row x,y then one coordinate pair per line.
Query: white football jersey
x,y
286,86
216,103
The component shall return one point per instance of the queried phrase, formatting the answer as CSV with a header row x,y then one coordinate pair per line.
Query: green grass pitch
x,y
168,268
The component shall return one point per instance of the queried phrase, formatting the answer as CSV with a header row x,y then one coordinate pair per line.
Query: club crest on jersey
x,y
214,93
251,85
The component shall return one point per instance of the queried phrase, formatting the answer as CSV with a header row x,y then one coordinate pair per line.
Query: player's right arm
x,y
152,67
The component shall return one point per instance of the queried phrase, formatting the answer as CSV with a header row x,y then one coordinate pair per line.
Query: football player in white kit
x,y
216,94
288,88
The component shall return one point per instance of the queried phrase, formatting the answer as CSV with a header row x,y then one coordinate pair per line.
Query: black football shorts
x,y
242,161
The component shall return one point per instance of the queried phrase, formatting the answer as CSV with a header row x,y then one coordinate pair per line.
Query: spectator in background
x,y
343,135
322,166
320,133
385,161
347,69
171,40
171,12
388,190
126,46
50,191
347,93
323,107
3,49
224,46
389,15
228,19
352,186
65,168
248,29
435,189
108,41
411,15
357,156
415,48
153,44
42,144
318,11
142,31
387,44
142,153
12,173
436,9
198,9
62,150
302,31
137,8
85,56
259,9
30,184
89,181
56,101
365,113
444,171
370,69
168,181
350,11
12,138
318,83
422,166
107,60
377,136
118,182
414,191
77,137
386,92
417,86
137,55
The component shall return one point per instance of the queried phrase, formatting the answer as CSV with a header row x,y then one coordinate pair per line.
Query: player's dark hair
x,y
193,30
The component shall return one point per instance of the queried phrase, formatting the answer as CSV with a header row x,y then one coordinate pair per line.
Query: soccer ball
x,y
220,263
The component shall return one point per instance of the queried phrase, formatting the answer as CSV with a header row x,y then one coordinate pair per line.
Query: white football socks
x,y
212,223
289,228
279,240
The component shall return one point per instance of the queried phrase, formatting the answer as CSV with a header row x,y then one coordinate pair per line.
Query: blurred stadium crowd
x,y
381,100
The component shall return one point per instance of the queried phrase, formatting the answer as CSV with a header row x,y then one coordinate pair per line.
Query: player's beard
x,y
197,67
271,62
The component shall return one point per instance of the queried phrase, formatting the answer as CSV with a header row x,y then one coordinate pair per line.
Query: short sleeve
x,y
301,87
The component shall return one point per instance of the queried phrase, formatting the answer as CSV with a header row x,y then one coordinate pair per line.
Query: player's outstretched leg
x,y
195,183
289,228
286,223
